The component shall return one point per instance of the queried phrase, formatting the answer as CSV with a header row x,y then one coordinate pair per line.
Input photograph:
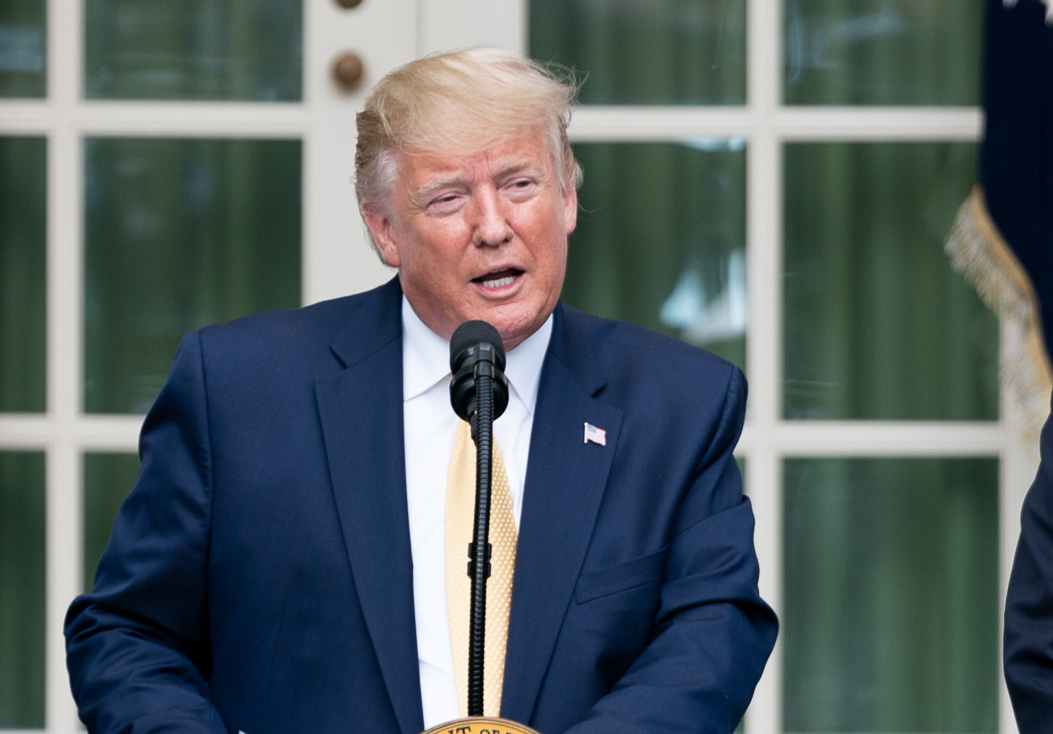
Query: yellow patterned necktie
x,y
460,532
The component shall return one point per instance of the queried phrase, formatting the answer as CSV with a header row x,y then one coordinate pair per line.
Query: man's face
x,y
480,236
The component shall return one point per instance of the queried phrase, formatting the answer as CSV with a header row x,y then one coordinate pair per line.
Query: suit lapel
x,y
564,485
361,410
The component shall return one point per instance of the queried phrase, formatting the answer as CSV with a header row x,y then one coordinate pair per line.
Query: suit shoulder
x,y
281,342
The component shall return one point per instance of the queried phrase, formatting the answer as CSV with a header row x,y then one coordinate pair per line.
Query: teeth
x,y
499,282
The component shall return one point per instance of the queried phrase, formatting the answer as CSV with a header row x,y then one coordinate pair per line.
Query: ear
x,y
570,208
379,225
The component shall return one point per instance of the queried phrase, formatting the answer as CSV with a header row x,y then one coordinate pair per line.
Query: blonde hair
x,y
462,103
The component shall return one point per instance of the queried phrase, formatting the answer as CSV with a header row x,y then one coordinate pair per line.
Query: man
x,y
1028,643
278,566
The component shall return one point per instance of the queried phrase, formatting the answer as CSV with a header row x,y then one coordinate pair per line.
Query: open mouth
x,y
498,279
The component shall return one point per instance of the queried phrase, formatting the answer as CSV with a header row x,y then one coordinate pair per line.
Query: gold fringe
x,y
981,254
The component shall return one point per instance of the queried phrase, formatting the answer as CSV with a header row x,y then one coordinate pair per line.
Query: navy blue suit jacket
x,y
1028,642
259,574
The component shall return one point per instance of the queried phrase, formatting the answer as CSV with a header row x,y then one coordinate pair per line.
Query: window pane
x,y
877,323
23,48
882,52
180,234
194,49
890,619
22,572
22,273
658,52
661,240
107,480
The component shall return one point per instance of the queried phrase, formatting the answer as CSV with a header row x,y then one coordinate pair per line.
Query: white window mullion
x,y
879,124
764,476
609,123
63,500
244,120
764,336
22,117
890,439
764,365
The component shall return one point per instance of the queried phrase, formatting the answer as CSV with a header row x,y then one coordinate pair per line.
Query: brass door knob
x,y
348,3
347,70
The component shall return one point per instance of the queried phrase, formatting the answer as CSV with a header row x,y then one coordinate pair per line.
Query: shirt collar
x,y
426,359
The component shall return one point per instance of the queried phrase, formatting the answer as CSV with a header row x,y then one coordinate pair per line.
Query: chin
x,y
514,326
513,335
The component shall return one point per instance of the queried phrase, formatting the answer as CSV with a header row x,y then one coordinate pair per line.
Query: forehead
x,y
421,168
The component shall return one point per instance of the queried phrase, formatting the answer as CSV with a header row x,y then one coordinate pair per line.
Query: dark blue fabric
x,y
1016,171
1016,167
1028,644
259,575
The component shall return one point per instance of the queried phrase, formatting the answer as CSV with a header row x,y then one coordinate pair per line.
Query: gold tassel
x,y
981,254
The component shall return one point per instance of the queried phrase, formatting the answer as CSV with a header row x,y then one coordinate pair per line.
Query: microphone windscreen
x,y
469,334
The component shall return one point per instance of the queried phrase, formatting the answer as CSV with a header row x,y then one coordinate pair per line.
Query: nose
x,y
491,226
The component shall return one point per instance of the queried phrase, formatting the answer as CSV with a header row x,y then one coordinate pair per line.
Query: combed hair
x,y
462,103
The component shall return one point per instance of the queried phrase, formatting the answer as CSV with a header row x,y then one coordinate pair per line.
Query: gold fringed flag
x,y
1002,239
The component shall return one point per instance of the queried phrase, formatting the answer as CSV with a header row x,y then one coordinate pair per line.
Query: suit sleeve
x,y
1028,648
713,633
137,644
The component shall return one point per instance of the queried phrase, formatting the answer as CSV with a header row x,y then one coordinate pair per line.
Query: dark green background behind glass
x,y
877,325
654,216
23,277
890,605
238,50
24,49
180,234
22,585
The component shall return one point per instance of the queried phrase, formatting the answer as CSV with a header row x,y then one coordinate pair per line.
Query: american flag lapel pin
x,y
595,435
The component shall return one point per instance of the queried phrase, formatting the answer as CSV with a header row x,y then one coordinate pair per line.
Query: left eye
x,y
521,184
445,204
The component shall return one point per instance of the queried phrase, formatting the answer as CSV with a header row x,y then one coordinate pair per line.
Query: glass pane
x,y
180,234
658,52
23,48
882,52
194,49
107,480
878,325
890,619
22,571
22,273
661,239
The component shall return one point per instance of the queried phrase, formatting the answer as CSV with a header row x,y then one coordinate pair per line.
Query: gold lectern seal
x,y
481,725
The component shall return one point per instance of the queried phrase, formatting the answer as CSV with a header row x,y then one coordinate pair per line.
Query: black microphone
x,y
479,394
476,351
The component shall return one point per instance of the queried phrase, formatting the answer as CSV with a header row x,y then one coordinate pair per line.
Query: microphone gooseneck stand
x,y
480,550
479,394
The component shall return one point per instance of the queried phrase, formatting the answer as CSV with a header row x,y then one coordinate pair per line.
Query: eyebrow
x,y
520,165
505,169
429,189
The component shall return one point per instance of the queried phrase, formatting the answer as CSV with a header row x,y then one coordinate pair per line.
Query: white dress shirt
x,y
430,425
